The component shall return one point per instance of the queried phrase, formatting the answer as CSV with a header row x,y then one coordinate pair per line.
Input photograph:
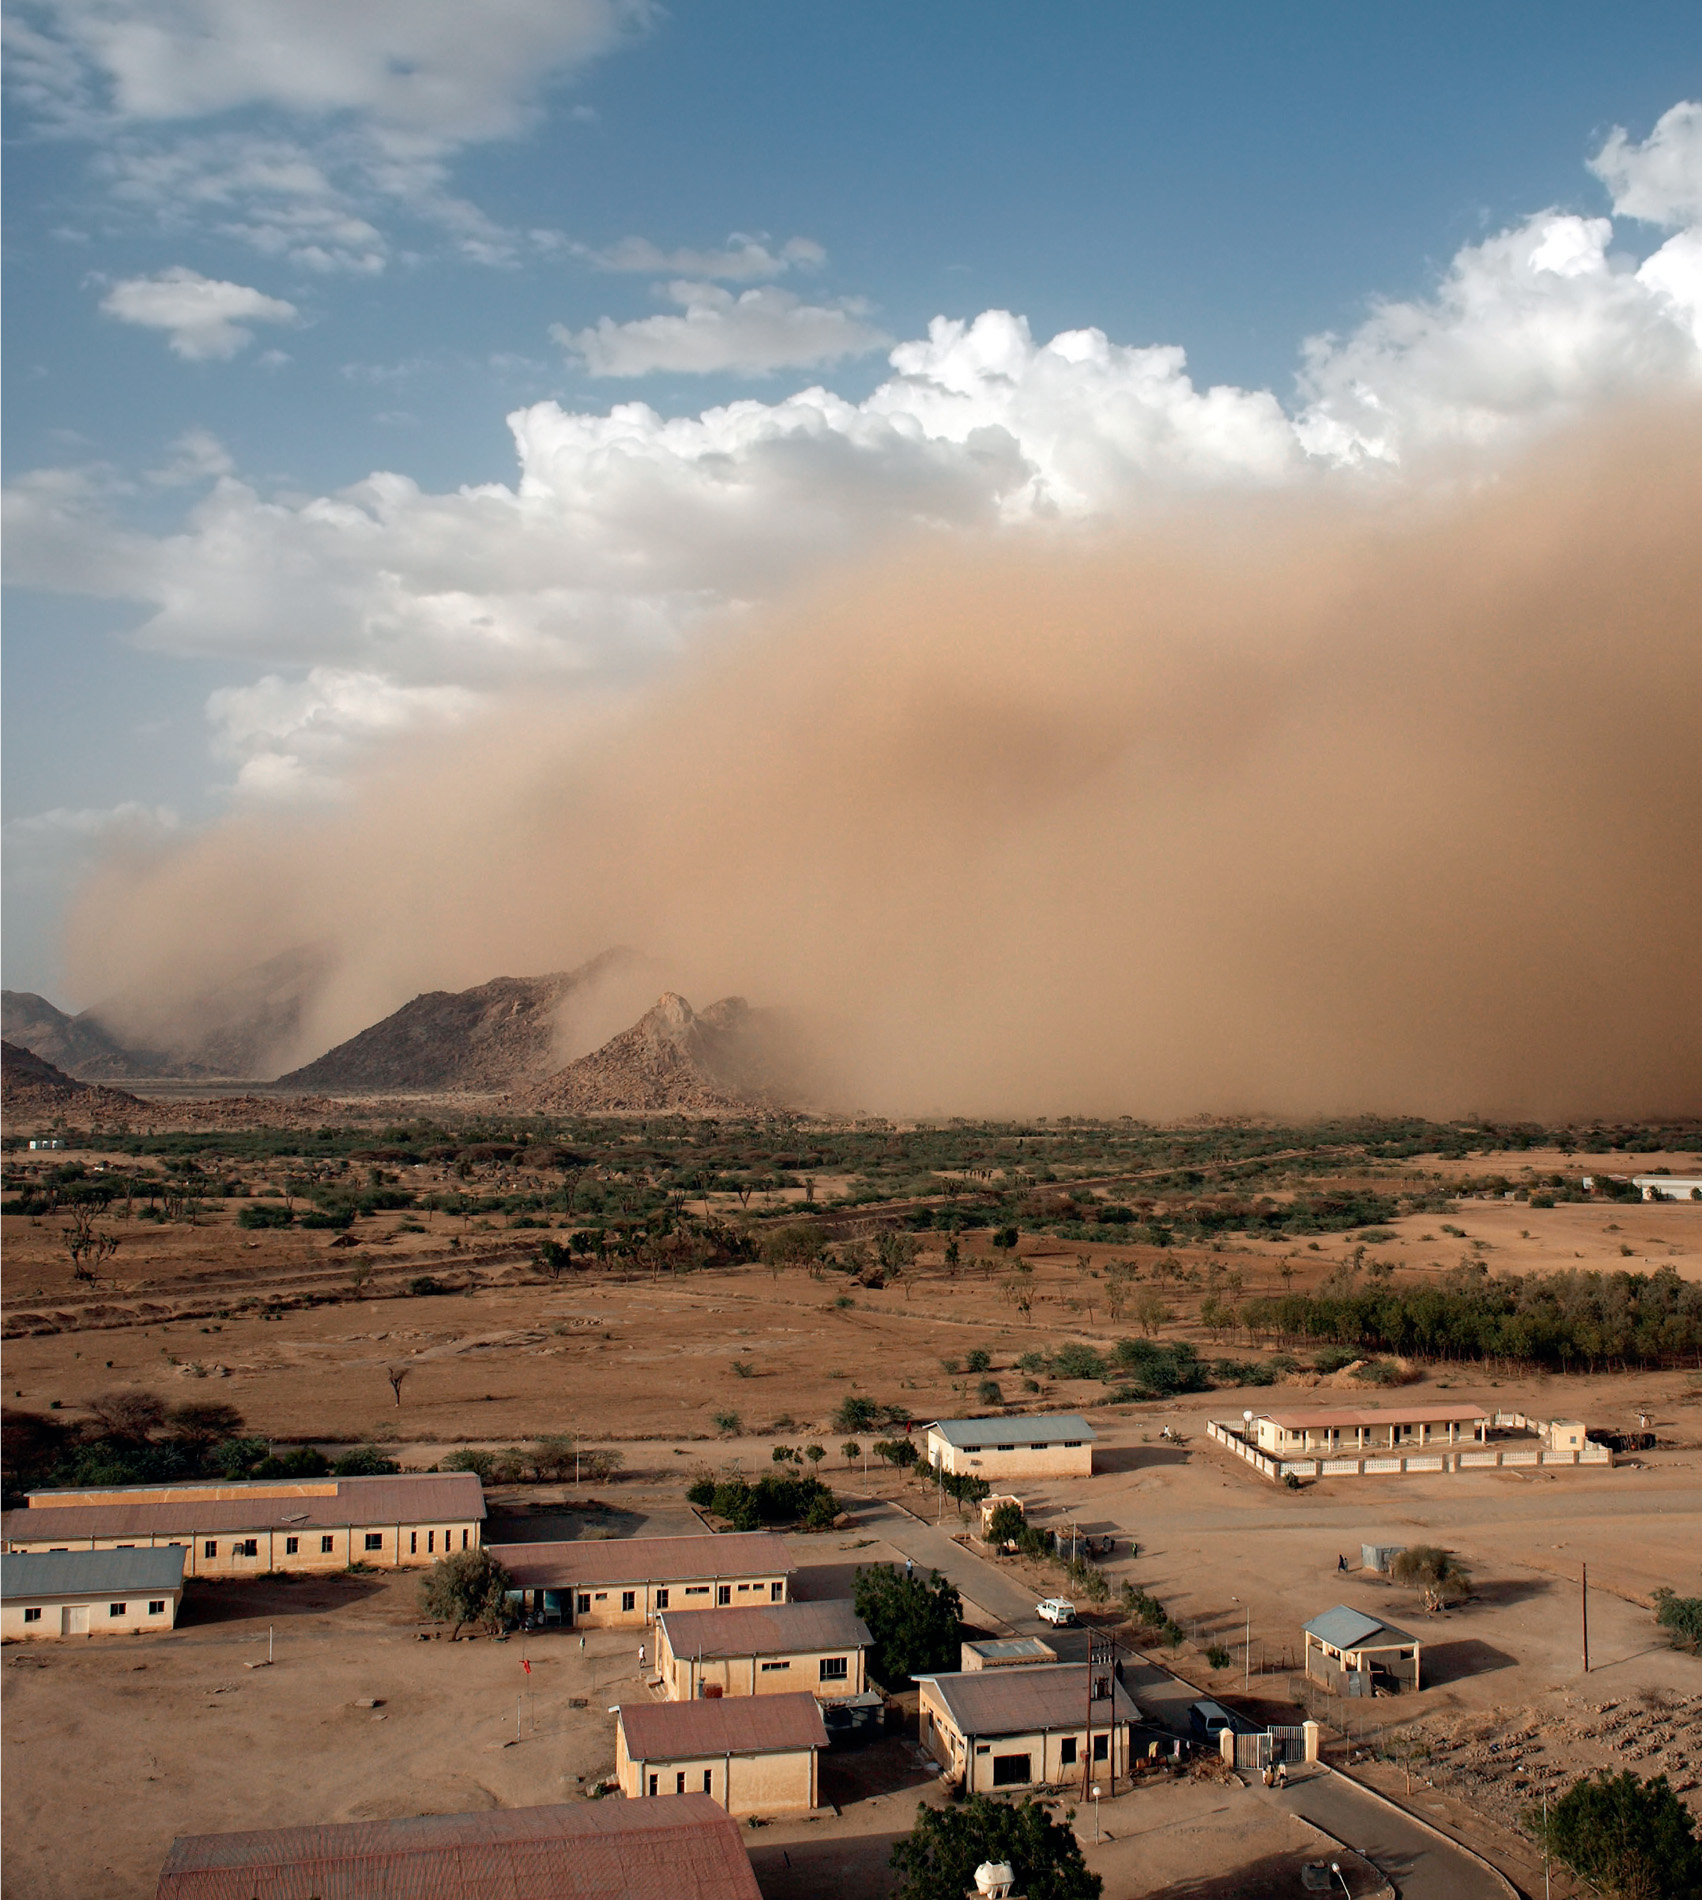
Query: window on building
x,y
156,1606
463,1540
708,1780
661,1599
327,1545
1067,1750
680,1782
291,1546
375,1540
1102,1748
697,1589
209,1549
771,1668
1070,1444
723,1593
584,1603
33,1615
117,1609
431,1541
835,1668
1037,1448
413,1543
652,1784
1010,1771
250,1547
629,1599
743,1587
776,1592
1009,1447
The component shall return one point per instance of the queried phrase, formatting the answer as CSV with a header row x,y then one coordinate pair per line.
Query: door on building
x,y
1011,1771
76,1621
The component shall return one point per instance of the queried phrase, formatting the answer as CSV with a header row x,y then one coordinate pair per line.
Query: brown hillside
x,y
728,1058
500,1035
32,1088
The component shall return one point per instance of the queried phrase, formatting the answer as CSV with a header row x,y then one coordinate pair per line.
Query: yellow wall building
x,y
749,1754
626,1582
244,1530
89,1593
769,1649
1059,1445
1029,1727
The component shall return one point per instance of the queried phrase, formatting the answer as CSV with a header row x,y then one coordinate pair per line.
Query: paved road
x,y
1422,1865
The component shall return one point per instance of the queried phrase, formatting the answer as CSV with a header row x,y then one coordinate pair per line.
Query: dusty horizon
x,y
1282,805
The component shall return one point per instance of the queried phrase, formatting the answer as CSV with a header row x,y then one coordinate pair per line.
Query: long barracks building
x,y
243,1530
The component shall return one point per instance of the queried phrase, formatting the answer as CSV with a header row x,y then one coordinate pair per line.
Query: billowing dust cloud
x,y
1294,806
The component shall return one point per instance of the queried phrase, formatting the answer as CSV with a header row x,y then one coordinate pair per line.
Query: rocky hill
x,y
675,1059
502,1035
31,1089
233,1030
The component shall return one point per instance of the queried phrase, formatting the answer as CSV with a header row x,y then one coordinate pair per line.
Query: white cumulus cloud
x,y
1660,180
204,317
753,333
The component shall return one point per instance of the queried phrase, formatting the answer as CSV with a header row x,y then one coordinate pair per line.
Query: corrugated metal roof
x,y
765,1629
738,1725
677,1847
1018,1701
94,1573
1318,1416
1345,1628
602,1561
430,1497
1054,1428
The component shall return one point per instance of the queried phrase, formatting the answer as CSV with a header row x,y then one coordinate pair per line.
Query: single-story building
x,y
764,1649
1330,1430
1668,1187
1026,1728
1355,1654
1058,1445
243,1530
750,1754
686,1848
88,1592
625,1582
1005,1652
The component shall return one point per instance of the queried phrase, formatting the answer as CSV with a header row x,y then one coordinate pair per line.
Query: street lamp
x,y
1336,1869
1096,1814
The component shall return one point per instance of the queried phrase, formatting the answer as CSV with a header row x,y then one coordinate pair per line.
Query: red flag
x,y
524,1664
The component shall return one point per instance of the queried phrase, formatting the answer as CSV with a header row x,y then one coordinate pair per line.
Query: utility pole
x,y
1584,1603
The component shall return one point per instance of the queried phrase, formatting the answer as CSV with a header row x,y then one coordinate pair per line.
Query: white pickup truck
x,y
1056,1610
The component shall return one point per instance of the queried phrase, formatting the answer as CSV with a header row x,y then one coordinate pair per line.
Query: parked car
x,y
1056,1610
1208,1720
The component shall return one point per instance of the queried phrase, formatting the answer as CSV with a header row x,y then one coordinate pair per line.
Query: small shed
x,y
1005,1652
1379,1557
1354,1654
749,1754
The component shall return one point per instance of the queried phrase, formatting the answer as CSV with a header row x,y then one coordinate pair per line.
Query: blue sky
x,y
258,251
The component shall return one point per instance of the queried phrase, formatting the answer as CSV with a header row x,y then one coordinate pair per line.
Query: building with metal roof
x,y
684,1848
89,1592
1051,1445
1333,1428
625,1582
751,1754
1031,1727
767,1649
1005,1652
243,1530
1356,1654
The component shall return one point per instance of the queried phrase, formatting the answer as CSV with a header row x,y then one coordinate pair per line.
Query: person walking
x,y
582,1645
641,1655
1341,1561
909,1568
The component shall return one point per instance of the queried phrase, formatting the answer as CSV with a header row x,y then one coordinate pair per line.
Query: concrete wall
x,y
1021,1461
742,1784
599,1606
779,1673
399,1546
1362,1465
973,1759
91,1616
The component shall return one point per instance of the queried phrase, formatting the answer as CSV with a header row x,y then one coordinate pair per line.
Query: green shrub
x,y
1680,1617
980,1360
467,1458
989,1392
364,1461
264,1214
1218,1656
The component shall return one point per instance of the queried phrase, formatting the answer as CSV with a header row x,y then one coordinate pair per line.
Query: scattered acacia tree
x,y
899,1452
396,1374
87,1245
1630,1838
129,1412
467,1586
850,1451
1439,1573
728,1424
815,1454
937,1859
1006,1525
1681,1618
916,1624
